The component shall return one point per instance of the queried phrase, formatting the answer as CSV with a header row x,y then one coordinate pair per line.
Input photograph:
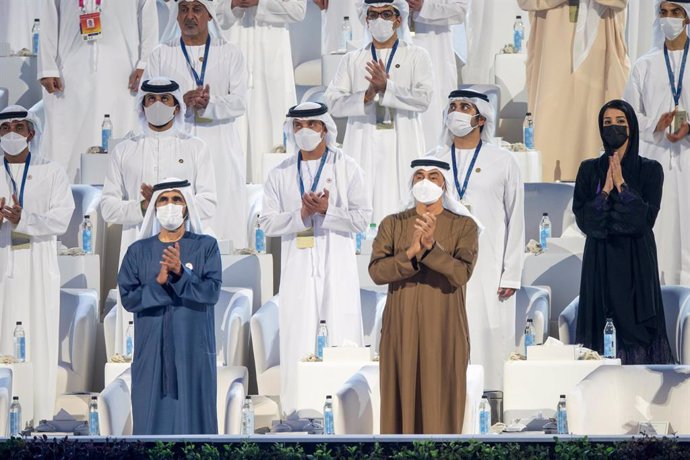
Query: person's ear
x,y
481,121
30,136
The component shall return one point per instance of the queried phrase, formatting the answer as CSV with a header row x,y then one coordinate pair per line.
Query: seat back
x,y
78,328
5,397
265,336
86,201
373,303
232,388
567,322
554,198
235,329
676,310
115,407
357,403
531,302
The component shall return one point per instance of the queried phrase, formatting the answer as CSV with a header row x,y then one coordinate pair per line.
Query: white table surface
x,y
23,386
80,272
18,75
530,387
530,165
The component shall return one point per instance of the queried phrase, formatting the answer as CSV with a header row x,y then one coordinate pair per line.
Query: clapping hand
x,y
197,98
147,193
313,203
505,293
378,77
427,226
680,134
416,245
52,84
12,213
134,80
415,5
171,259
322,4
2,205
665,121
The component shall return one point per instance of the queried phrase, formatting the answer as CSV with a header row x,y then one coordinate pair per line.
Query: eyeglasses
x,y
388,15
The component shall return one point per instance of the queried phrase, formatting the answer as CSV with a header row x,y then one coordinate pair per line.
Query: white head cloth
x,y
484,107
164,85
172,33
449,200
150,227
403,8
658,38
589,16
17,113
309,111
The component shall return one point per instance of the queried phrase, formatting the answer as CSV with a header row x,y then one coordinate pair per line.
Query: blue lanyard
x,y
198,79
318,173
461,191
14,183
676,90
390,58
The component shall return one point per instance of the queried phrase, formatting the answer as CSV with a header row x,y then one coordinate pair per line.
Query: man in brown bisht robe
x,y
577,59
426,255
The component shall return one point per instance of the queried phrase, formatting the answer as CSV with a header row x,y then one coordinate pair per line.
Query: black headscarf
x,y
631,160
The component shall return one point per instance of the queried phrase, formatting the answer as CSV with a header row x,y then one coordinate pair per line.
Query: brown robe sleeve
x,y
386,266
538,5
456,267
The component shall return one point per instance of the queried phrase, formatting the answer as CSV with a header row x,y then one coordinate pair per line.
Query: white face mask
x,y
170,216
307,139
426,192
380,29
13,143
672,27
159,114
460,123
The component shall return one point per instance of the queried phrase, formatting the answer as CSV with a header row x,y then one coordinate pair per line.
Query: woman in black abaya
x,y
616,201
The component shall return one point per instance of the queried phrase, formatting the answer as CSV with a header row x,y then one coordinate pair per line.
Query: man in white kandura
x,y
487,181
315,201
213,78
657,91
260,29
333,14
37,205
91,57
161,148
382,89
432,20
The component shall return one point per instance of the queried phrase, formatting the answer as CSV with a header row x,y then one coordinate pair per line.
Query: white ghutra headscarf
x,y
150,226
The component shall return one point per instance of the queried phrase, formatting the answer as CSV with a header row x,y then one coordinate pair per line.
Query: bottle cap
x,y
94,398
15,398
545,214
107,115
86,216
518,16
131,323
529,114
19,323
562,396
323,321
37,20
346,18
372,225
529,320
329,397
248,398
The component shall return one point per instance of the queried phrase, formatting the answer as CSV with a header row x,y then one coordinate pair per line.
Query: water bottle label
x,y
86,241
562,421
105,137
358,243
529,137
544,234
609,346
260,241
34,43
93,424
21,342
328,423
529,341
15,423
129,346
320,345
517,40
484,421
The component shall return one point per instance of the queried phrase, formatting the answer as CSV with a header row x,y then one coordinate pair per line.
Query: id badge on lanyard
x,y
90,23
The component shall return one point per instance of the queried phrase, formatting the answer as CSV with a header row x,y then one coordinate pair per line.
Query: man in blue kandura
x,y
170,279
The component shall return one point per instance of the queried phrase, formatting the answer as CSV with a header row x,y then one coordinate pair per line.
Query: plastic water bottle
x,y
528,131
359,237
15,417
260,238
562,416
372,231
609,339
328,427
321,339
247,427
106,132
544,230
529,334
484,416
129,340
86,232
19,343
94,430
518,33
345,34
35,32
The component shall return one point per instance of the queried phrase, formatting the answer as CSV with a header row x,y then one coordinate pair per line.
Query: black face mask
x,y
614,136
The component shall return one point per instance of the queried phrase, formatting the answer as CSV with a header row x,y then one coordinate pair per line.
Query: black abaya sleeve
x,y
590,206
634,211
